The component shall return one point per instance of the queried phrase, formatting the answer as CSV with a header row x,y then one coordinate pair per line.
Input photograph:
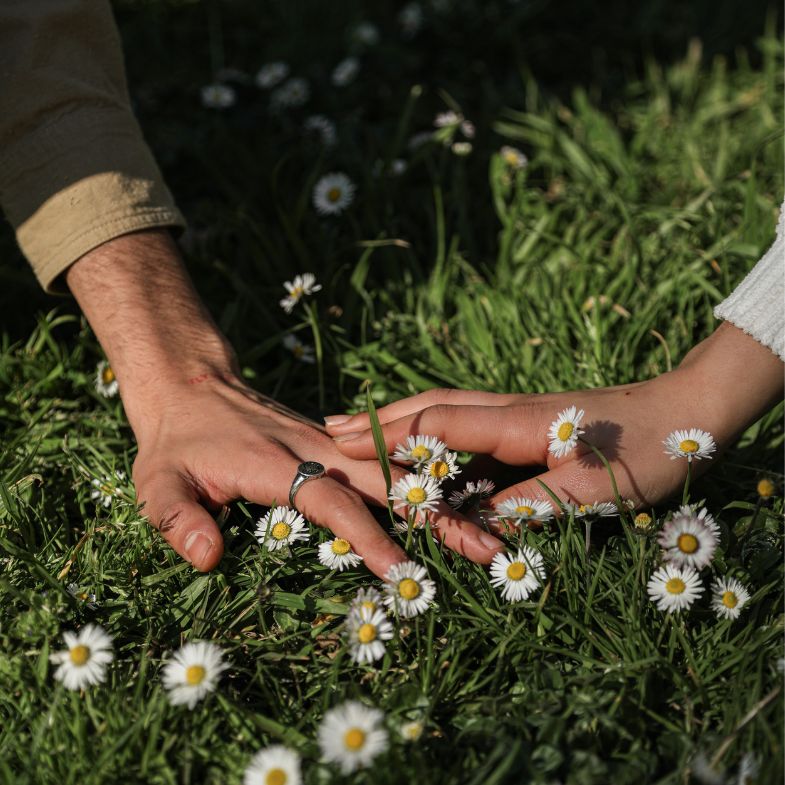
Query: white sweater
x,y
757,304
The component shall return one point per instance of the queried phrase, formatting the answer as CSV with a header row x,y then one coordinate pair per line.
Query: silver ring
x,y
310,470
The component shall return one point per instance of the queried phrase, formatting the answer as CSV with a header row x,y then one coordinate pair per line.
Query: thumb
x,y
172,507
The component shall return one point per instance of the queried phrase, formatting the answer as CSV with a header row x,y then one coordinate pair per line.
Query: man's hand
x,y
205,438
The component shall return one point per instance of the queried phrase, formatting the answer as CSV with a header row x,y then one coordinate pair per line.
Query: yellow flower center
x,y
675,586
297,292
194,674
565,431
766,488
80,655
439,469
511,157
276,777
516,571
729,599
354,739
583,508
687,543
643,520
408,588
369,605
340,546
107,375
298,351
366,633
689,446
334,194
281,531
524,509
421,453
416,496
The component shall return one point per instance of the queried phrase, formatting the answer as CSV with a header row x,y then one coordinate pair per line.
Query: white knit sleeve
x,y
757,304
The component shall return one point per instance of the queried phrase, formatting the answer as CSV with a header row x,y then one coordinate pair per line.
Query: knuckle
x,y
170,518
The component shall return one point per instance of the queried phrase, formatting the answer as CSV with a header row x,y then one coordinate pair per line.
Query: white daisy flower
x,y
596,510
271,74
419,449
333,193
410,19
674,588
443,467
468,129
280,527
518,576
411,730
367,630
690,444
274,765
338,555
703,517
461,148
301,286
366,33
292,93
520,510
105,381
105,490
513,157
83,596
686,541
447,119
352,735
218,96
564,431
345,72
301,351
416,491
369,599
729,596
321,127
192,672
748,770
408,589
472,493
84,661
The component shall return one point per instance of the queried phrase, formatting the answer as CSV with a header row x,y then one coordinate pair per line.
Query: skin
x,y
205,438
723,385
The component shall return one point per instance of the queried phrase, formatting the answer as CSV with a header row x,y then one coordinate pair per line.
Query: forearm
x,y
156,332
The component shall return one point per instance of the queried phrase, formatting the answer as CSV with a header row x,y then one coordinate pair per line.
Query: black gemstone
x,y
311,468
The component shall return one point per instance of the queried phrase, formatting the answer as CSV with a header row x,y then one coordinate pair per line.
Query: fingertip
x,y
204,549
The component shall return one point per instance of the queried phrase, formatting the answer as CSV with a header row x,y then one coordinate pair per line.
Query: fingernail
x,y
345,437
197,547
489,541
337,419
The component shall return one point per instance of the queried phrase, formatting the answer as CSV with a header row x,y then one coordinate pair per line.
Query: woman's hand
x,y
722,386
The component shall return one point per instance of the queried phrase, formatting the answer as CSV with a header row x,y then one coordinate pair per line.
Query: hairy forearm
x,y
141,303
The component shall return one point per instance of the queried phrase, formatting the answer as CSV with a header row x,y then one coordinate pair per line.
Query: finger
x,y
513,434
341,423
172,506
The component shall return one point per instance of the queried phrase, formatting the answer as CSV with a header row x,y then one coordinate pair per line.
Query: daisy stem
x,y
310,309
686,495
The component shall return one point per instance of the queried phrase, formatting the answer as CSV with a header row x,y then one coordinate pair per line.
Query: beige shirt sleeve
x,y
74,168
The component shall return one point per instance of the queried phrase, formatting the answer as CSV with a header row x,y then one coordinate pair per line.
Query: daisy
x,y
748,770
352,735
417,492
444,467
766,488
564,431
83,596
321,127
367,631
686,541
275,765
333,193
301,351
513,157
271,74
368,599
84,662
596,510
703,517
338,555
292,93
447,119
345,72
104,491
411,730
280,527
193,671
694,443
419,449
674,588
461,148
472,493
301,286
410,19
520,510
105,381
366,33
729,596
518,576
218,96
409,591
643,521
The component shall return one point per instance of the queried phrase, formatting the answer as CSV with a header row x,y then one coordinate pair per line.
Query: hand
x,y
628,423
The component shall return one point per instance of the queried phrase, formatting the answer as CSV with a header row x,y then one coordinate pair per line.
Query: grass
x,y
600,263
